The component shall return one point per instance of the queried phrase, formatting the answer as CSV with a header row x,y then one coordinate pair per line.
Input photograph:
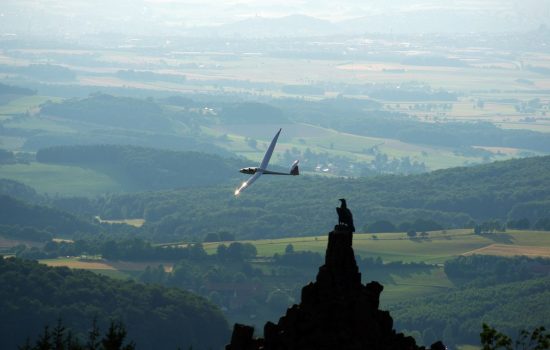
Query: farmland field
x,y
131,222
400,283
437,248
512,250
60,179
320,140
24,104
118,269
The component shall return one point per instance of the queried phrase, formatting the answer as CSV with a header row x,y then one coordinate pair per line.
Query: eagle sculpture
x,y
344,215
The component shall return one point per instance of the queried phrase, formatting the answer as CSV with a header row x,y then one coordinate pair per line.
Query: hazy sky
x,y
161,16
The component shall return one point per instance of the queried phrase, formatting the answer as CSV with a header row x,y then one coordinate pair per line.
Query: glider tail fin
x,y
294,168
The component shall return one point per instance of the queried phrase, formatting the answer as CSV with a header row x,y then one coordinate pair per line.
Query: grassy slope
x,y
60,179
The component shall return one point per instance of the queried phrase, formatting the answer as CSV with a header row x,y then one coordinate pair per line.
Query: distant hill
x,y
458,315
9,93
516,189
276,207
34,295
123,112
138,168
14,212
20,191
252,113
365,118
15,90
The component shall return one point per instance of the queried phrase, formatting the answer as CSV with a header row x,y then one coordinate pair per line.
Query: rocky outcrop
x,y
336,311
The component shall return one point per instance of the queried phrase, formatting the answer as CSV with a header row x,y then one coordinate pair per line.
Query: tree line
x,y
140,169
514,192
521,284
33,295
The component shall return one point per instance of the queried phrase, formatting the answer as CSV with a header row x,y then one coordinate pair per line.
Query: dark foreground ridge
x,y
336,312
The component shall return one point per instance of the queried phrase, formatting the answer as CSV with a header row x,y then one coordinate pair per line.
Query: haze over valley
x,y
123,126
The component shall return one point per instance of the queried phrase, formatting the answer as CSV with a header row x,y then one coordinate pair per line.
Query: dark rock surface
x,y
336,311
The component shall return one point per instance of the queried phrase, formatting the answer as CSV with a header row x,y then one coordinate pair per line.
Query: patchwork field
x,y
508,250
118,269
400,284
438,247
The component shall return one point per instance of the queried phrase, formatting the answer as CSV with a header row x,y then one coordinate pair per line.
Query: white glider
x,y
262,169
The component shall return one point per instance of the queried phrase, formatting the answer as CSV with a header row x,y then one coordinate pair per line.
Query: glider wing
x,y
269,152
248,182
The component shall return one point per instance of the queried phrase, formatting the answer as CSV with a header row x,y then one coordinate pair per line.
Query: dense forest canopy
x,y
34,295
110,110
139,168
14,212
451,198
515,191
459,314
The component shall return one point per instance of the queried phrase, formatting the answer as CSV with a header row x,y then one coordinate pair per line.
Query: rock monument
x,y
336,311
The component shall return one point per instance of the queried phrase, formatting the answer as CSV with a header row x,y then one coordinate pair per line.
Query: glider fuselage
x,y
254,170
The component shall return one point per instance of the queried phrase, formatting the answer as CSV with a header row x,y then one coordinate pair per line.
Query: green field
x,y
40,123
120,270
24,104
436,249
400,283
60,179
321,140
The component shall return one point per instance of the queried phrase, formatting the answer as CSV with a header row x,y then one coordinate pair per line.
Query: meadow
x,y
116,269
436,248
60,179
399,283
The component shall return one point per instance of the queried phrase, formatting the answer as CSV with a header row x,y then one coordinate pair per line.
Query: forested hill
x,y
34,295
16,213
365,118
138,168
298,205
20,191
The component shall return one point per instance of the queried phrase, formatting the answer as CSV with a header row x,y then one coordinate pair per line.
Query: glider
x,y
256,172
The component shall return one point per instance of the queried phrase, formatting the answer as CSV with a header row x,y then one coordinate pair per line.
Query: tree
x,y
491,339
57,335
93,337
289,249
114,339
44,342
411,233
381,226
226,236
211,237
520,224
278,300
